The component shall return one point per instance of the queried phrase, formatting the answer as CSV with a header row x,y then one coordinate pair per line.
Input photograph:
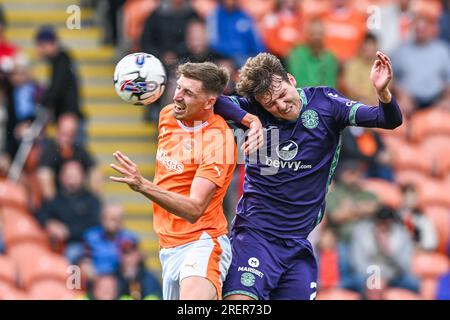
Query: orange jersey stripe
x,y
207,151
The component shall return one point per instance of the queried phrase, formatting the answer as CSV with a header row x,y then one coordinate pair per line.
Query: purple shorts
x,y
270,268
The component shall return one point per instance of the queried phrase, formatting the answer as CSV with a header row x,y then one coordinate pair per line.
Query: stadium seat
x,y
442,165
43,267
12,194
389,193
338,294
20,226
434,192
429,264
428,287
429,122
7,271
51,290
410,177
440,217
412,157
9,292
400,294
438,148
26,253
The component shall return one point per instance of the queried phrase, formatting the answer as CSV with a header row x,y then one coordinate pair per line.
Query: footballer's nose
x,y
178,96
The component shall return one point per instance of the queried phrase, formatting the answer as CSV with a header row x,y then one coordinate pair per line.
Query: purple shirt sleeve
x,y
232,108
353,113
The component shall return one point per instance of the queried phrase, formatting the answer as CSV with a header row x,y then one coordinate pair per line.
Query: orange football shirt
x,y
206,150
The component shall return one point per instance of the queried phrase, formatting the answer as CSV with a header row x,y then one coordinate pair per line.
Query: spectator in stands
x,y
56,152
197,46
5,162
348,204
232,33
104,287
357,84
70,213
444,22
328,259
443,289
365,145
419,226
135,281
422,67
103,242
345,29
112,29
7,49
163,35
311,64
282,29
395,24
383,242
62,95
22,107
135,12
164,31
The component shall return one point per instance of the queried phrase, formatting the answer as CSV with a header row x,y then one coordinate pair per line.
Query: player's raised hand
x,y
129,170
381,74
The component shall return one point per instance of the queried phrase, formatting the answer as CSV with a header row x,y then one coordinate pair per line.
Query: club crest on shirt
x,y
310,119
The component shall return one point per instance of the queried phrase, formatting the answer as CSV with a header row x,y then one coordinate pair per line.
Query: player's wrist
x,y
385,96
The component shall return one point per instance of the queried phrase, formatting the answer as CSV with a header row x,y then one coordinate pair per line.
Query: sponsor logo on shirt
x,y
287,150
253,262
170,164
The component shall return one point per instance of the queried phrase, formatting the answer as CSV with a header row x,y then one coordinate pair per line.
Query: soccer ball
x,y
139,78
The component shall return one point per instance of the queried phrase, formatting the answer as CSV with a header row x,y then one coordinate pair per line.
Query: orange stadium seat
x,y
7,271
389,193
428,288
412,157
442,165
409,176
429,264
51,290
338,294
12,194
440,217
430,122
8,292
433,192
20,226
43,267
438,148
400,294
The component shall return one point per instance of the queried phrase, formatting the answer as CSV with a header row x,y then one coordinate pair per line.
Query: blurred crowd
x,y
380,211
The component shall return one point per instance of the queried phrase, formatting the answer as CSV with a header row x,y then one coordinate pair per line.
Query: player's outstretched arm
x,y
189,208
381,75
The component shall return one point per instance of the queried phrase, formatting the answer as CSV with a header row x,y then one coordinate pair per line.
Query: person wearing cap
x,y
134,280
62,95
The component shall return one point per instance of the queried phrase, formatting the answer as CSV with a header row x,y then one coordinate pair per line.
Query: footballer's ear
x,y
210,102
292,80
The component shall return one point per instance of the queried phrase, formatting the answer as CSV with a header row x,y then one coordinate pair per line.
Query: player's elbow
x,y
196,214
